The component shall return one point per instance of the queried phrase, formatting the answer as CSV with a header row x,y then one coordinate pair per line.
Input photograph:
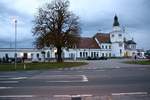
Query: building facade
x,y
112,44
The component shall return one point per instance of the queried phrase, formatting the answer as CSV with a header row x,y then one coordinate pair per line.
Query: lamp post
x,y
15,20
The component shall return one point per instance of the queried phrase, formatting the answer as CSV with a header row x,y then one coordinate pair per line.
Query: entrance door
x,y
25,55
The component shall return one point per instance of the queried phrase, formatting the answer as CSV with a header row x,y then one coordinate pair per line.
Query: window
x,y
102,47
113,35
120,44
48,54
109,54
83,54
92,54
15,55
97,54
102,54
120,35
86,54
133,46
6,55
80,54
71,55
106,55
37,55
120,51
106,47
109,46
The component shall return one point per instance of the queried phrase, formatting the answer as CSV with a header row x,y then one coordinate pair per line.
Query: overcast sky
x,y
95,16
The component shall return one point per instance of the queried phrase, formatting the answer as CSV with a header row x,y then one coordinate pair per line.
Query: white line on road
x,y
17,96
9,81
69,96
101,70
83,95
85,79
18,78
64,81
130,93
62,96
117,67
6,87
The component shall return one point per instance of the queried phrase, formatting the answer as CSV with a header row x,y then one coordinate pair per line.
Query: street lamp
x,y
15,20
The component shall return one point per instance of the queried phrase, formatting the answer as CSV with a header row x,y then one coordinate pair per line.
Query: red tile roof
x,y
87,43
103,37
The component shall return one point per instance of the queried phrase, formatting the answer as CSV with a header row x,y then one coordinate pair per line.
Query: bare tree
x,y
56,26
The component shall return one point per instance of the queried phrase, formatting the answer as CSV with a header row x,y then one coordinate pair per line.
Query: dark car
x,y
92,58
102,58
18,60
88,58
96,58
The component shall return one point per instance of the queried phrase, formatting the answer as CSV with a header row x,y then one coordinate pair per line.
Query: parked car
x,y
35,60
12,60
141,57
103,58
88,58
97,58
148,57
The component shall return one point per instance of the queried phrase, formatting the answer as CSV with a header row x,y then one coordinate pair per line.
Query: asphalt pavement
x,y
113,83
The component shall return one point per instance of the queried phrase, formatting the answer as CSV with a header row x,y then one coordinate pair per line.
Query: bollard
x,y
24,66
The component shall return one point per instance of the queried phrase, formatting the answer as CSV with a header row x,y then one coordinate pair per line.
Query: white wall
x,y
116,50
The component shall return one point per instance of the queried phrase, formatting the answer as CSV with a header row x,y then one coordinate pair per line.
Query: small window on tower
x,y
120,44
120,35
113,35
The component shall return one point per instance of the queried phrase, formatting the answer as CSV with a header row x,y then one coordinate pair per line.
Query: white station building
x,y
112,44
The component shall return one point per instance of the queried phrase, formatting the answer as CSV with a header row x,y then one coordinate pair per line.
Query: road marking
x,y
17,96
83,95
130,93
85,79
62,96
18,78
101,70
6,87
117,67
64,81
69,96
9,81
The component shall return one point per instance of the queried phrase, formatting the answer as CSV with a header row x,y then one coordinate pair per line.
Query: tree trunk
x,y
59,53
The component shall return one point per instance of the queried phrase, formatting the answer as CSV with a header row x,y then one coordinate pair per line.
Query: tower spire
x,y
116,23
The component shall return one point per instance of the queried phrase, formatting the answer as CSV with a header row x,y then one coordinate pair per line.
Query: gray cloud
x,y
7,27
133,15
94,16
